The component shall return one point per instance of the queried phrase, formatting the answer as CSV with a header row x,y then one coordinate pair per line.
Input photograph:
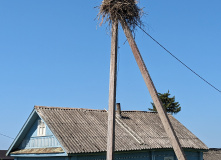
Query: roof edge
x,y
66,108
87,109
14,143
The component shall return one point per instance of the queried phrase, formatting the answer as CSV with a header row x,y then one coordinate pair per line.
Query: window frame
x,y
41,129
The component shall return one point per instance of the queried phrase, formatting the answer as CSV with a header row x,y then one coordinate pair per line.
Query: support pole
x,y
112,93
154,95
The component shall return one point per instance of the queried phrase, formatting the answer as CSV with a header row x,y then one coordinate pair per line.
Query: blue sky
x,y
53,53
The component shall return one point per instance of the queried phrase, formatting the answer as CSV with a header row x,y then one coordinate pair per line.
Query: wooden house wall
x,y
148,155
42,158
31,140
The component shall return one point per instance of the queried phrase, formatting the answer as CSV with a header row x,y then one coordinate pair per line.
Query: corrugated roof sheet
x,y
85,130
212,154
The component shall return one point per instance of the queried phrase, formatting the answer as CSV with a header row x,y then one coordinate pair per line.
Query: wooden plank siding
x,y
39,142
31,140
148,155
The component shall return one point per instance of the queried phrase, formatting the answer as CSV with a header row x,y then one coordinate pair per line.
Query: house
x,y
212,154
54,133
3,155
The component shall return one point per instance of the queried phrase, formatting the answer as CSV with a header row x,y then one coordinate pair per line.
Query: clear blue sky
x,y
53,53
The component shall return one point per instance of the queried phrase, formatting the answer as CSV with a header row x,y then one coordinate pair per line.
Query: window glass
x,y
41,128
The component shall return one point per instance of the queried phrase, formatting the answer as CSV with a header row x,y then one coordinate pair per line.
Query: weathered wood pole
x,y
112,92
153,92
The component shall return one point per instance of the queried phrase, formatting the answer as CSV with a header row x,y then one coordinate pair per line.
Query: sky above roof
x,y
54,53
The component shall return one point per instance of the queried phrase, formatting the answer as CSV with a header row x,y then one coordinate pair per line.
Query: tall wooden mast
x,y
154,95
128,13
112,92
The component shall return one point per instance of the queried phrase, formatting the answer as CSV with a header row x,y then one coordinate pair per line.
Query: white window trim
x,y
41,130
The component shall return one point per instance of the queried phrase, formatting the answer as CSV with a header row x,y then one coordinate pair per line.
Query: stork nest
x,y
125,11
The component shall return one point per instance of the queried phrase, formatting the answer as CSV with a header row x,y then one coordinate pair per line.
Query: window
x,y
41,128
168,158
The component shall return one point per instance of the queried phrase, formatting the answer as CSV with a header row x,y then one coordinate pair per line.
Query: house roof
x,y
85,130
212,154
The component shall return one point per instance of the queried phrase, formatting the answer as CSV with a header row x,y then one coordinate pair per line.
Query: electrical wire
x,y
179,60
6,136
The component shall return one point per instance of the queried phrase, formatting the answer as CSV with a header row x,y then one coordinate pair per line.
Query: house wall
x,y
42,158
148,155
31,139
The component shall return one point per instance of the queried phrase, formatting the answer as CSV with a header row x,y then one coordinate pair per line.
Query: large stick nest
x,y
120,10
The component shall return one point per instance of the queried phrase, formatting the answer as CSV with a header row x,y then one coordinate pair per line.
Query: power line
x,y
179,60
6,136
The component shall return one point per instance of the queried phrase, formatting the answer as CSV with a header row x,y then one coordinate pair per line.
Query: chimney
x,y
118,114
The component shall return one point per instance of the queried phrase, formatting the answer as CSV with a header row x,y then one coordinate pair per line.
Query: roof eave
x,y
41,155
22,132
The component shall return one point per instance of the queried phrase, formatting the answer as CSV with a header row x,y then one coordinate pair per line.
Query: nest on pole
x,y
125,11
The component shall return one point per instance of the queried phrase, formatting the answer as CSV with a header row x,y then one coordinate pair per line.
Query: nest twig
x,y
120,10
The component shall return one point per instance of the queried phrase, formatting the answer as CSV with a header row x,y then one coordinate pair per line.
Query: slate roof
x,y
212,154
85,130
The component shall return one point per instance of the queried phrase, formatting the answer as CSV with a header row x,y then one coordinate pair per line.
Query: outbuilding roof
x,y
212,154
3,155
85,130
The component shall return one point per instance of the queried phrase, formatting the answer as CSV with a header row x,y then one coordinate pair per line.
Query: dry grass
x,y
120,10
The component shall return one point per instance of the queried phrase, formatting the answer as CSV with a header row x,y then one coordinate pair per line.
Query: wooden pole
x,y
153,92
112,93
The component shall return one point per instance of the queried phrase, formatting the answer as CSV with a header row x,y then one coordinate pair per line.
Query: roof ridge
x,y
67,108
130,131
86,109
215,149
139,111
